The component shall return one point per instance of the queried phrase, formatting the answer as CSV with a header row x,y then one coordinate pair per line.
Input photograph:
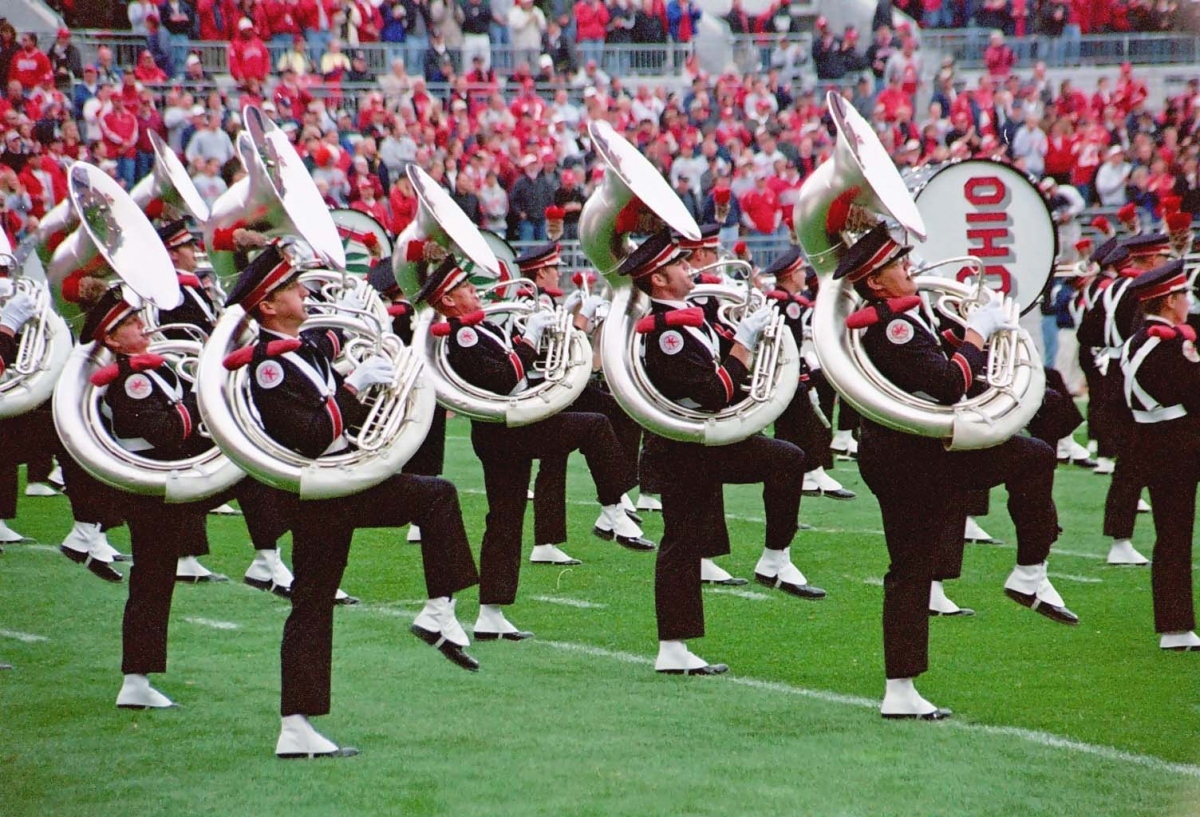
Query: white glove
x,y
591,304
351,299
374,371
535,325
988,318
751,328
573,300
19,309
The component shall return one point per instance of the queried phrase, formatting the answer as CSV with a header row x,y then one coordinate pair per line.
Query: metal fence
x,y
967,46
619,60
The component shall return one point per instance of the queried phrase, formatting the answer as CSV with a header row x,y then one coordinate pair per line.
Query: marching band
x,y
318,399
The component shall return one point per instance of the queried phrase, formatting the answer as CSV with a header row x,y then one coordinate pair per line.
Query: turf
x,y
1049,719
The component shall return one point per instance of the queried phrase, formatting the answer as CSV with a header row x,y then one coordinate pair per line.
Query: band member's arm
x,y
489,366
330,342
8,348
1171,377
693,373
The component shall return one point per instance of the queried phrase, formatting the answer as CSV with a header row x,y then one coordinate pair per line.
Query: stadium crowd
x,y
508,148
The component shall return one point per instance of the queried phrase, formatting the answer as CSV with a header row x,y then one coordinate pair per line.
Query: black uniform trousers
x,y
800,425
1175,446
847,418
550,487
429,459
919,486
25,438
694,516
155,529
266,511
1128,478
507,455
321,535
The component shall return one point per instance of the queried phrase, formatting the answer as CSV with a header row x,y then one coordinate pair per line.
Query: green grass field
x,y
1048,719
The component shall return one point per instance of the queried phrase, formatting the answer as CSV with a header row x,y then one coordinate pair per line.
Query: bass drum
x,y
991,211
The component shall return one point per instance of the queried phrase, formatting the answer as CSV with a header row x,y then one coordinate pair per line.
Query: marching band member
x,y
430,458
483,354
1089,333
800,424
541,265
18,310
154,413
683,361
1117,314
305,405
196,309
1162,389
909,474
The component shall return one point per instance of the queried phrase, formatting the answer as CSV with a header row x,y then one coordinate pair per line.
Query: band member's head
x,y
383,280
541,265
704,249
878,266
1148,251
787,269
660,268
180,244
448,289
269,288
1164,291
113,317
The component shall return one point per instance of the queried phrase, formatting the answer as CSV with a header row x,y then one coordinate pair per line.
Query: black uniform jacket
x,y
683,358
152,412
303,404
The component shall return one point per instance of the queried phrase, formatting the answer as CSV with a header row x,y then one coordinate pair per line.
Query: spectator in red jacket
x,y
403,203
248,54
760,208
591,26
998,57
147,71
148,119
29,65
217,19
120,129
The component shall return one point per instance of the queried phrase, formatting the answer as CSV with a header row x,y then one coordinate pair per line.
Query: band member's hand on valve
x,y
988,319
535,325
751,328
374,371
351,298
17,312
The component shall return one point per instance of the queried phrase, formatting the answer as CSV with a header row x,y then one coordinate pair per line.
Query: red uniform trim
x,y
726,381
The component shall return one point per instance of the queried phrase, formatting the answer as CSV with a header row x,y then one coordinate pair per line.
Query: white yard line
x,y
874,581
1072,578
24,638
213,623
569,602
1028,735
741,594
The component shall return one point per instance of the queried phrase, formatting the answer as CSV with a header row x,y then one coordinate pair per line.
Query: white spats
x,y
901,699
710,571
940,603
551,555
189,568
974,533
83,538
648,502
675,656
414,534
844,444
225,509
1104,465
1031,580
1123,553
136,693
1180,642
491,620
39,489
438,616
778,564
613,518
8,535
298,739
261,570
1143,506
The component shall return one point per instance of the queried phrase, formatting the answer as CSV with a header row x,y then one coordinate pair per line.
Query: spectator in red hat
x,y
248,55
64,61
29,65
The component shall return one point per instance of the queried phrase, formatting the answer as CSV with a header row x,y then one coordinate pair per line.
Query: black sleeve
x,y
8,350
490,367
1172,379
693,373
165,425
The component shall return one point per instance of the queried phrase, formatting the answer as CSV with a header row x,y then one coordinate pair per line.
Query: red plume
x,y
1127,214
839,211
1178,222
721,195
415,251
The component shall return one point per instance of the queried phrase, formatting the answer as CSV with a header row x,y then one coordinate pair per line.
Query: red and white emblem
x,y
793,311
138,387
269,374
671,342
899,331
467,337
1189,351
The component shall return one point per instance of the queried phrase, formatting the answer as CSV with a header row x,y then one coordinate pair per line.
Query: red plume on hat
x,y
839,210
1128,215
1084,246
1171,204
1104,226
739,248
554,212
721,195
1178,222
415,251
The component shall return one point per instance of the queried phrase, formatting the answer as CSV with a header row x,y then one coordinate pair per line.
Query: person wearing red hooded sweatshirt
x,y
216,19
120,129
29,65
248,55
591,25
760,208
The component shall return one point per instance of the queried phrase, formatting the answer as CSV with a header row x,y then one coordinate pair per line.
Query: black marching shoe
x,y
638,543
452,651
1053,612
804,591
707,669
103,570
935,715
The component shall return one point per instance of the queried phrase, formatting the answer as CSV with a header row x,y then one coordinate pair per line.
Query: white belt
x,y
1160,414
